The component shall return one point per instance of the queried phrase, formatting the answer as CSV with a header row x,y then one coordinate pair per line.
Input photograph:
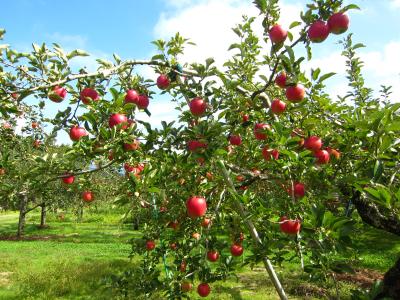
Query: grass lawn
x,y
72,260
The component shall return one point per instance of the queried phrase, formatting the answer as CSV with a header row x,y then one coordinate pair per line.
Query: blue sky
x,y
127,28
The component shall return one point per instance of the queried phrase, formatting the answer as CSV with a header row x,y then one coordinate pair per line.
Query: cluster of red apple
x,y
87,196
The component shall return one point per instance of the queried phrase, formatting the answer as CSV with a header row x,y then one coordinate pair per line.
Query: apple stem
x,y
253,231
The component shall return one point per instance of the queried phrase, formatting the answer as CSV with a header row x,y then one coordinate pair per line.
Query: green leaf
x,y
294,24
326,76
77,52
395,126
378,169
350,6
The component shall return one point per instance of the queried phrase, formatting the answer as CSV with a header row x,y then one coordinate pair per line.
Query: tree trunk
x,y
376,215
22,213
80,213
43,216
391,283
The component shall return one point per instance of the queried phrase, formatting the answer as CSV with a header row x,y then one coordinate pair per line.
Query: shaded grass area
x,y
71,260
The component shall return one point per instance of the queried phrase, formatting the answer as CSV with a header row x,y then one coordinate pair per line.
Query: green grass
x,y
71,260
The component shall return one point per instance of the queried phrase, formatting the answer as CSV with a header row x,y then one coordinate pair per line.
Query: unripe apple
x,y
318,31
116,119
197,106
76,133
196,206
57,94
143,102
280,80
186,286
235,140
88,95
132,96
278,106
259,131
163,82
322,156
87,196
277,34
338,23
295,93
203,289
313,143
206,222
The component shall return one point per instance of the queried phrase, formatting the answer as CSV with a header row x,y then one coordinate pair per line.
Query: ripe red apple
x,y
240,178
322,156
2,171
197,106
150,245
235,140
195,145
132,146
245,118
289,226
173,246
186,286
318,31
277,34
88,95
334,152
196,206
34,125
163,82
212,255
132,96
313,143
278,106
280,80
196,235
243,187
259,131
76,133
143,101
87,196
203,289
206,222
182,266
338,23
270,153
116,119
299,190
15,96
236,250
68,180
57,94
295,93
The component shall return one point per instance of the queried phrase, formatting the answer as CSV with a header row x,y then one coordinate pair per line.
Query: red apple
x,y
195,145
132,96
278,106
299,190
236,250
173,246
116,119
289,226
197,106
15,96
245,118
280,80
270,153
318,31
240,178
212,255
334,152
313,143
2,171
277,34
36,143
235,140
186,286
150,245
196,235
206,222
322,156
57,94
68,180
87,196
34,125
259,131
182,266
173,224
76,133
88,95
143,101
6,125
203,289
295,93
132,146
163,82
338,23
196,206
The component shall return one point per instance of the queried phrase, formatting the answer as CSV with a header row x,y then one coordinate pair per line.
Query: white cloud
x,y
395,3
